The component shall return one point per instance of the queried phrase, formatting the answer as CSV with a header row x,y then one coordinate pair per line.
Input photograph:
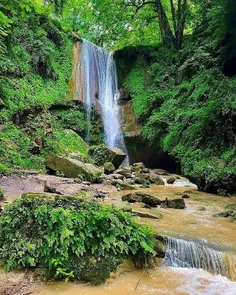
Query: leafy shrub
x,y
69,238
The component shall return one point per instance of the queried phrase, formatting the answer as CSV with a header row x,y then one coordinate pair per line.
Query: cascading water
x,y
180,253
100,84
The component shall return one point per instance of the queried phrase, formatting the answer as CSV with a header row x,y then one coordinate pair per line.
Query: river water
x,y
201,252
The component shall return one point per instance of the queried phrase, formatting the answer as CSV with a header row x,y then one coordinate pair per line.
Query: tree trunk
x,y
165,29
182,6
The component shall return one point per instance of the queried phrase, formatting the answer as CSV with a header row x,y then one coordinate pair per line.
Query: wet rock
x,y
72,168
118,176
131,198
125,171
137,167
122,185
156,179
225,214
145,183
142,198
109,168
175,203
185,196
149,199
102,154
144,213
143,175
171,180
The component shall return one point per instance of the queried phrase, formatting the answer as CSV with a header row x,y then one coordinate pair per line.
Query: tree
x,y
178,9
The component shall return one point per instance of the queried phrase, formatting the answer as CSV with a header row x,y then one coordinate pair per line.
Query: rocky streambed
x,y
171,204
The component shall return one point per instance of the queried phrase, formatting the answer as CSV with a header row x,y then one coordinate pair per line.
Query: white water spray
x,y
181,253
100,85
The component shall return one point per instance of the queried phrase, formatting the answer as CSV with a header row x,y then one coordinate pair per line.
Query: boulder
x,y
185,196
122,185
225,214
125,171
149,199
144,213
142,198
156,179
143,182
143,175
137,167
109,168
131,198
171,180
102,154
175,203
117,176
72,168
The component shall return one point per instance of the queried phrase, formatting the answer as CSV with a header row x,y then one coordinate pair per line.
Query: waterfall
x,y
180,253
100,87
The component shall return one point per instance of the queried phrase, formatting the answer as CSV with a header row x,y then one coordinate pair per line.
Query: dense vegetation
x,y
36,106
68,238
185,99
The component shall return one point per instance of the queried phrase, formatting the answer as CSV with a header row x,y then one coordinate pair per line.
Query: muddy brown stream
x,y
196,224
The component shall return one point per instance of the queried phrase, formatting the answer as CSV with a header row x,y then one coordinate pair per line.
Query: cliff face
x,y
184,103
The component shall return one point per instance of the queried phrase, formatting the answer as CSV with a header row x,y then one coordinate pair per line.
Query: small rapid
x,y
189,254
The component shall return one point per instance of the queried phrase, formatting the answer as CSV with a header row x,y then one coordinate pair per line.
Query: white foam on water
x,y
200,282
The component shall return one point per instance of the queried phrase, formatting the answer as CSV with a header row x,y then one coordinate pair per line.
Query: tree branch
x,y
139,6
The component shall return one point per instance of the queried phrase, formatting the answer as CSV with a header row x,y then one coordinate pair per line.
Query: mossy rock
x,y
109,168
102,154
122,185
156,179
72,168
142,198
147,213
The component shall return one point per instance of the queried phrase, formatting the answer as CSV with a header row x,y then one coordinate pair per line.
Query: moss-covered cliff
x,y
36,104
186,103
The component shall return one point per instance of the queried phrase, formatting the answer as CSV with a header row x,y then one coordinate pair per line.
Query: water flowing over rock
x,y
181,253
100,87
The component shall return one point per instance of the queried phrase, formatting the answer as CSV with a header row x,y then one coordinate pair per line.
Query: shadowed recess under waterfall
x,y
100,87
189,254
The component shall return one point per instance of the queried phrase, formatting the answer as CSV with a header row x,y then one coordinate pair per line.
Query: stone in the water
x,y
225,214
149,199
125,171
131,198
102,154
142,198
156,179
175,203
144,213
72,168
122,185
186,196
171,180
137,167
109,168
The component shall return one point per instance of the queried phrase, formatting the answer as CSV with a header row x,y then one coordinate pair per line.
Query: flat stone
x,y
147,213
